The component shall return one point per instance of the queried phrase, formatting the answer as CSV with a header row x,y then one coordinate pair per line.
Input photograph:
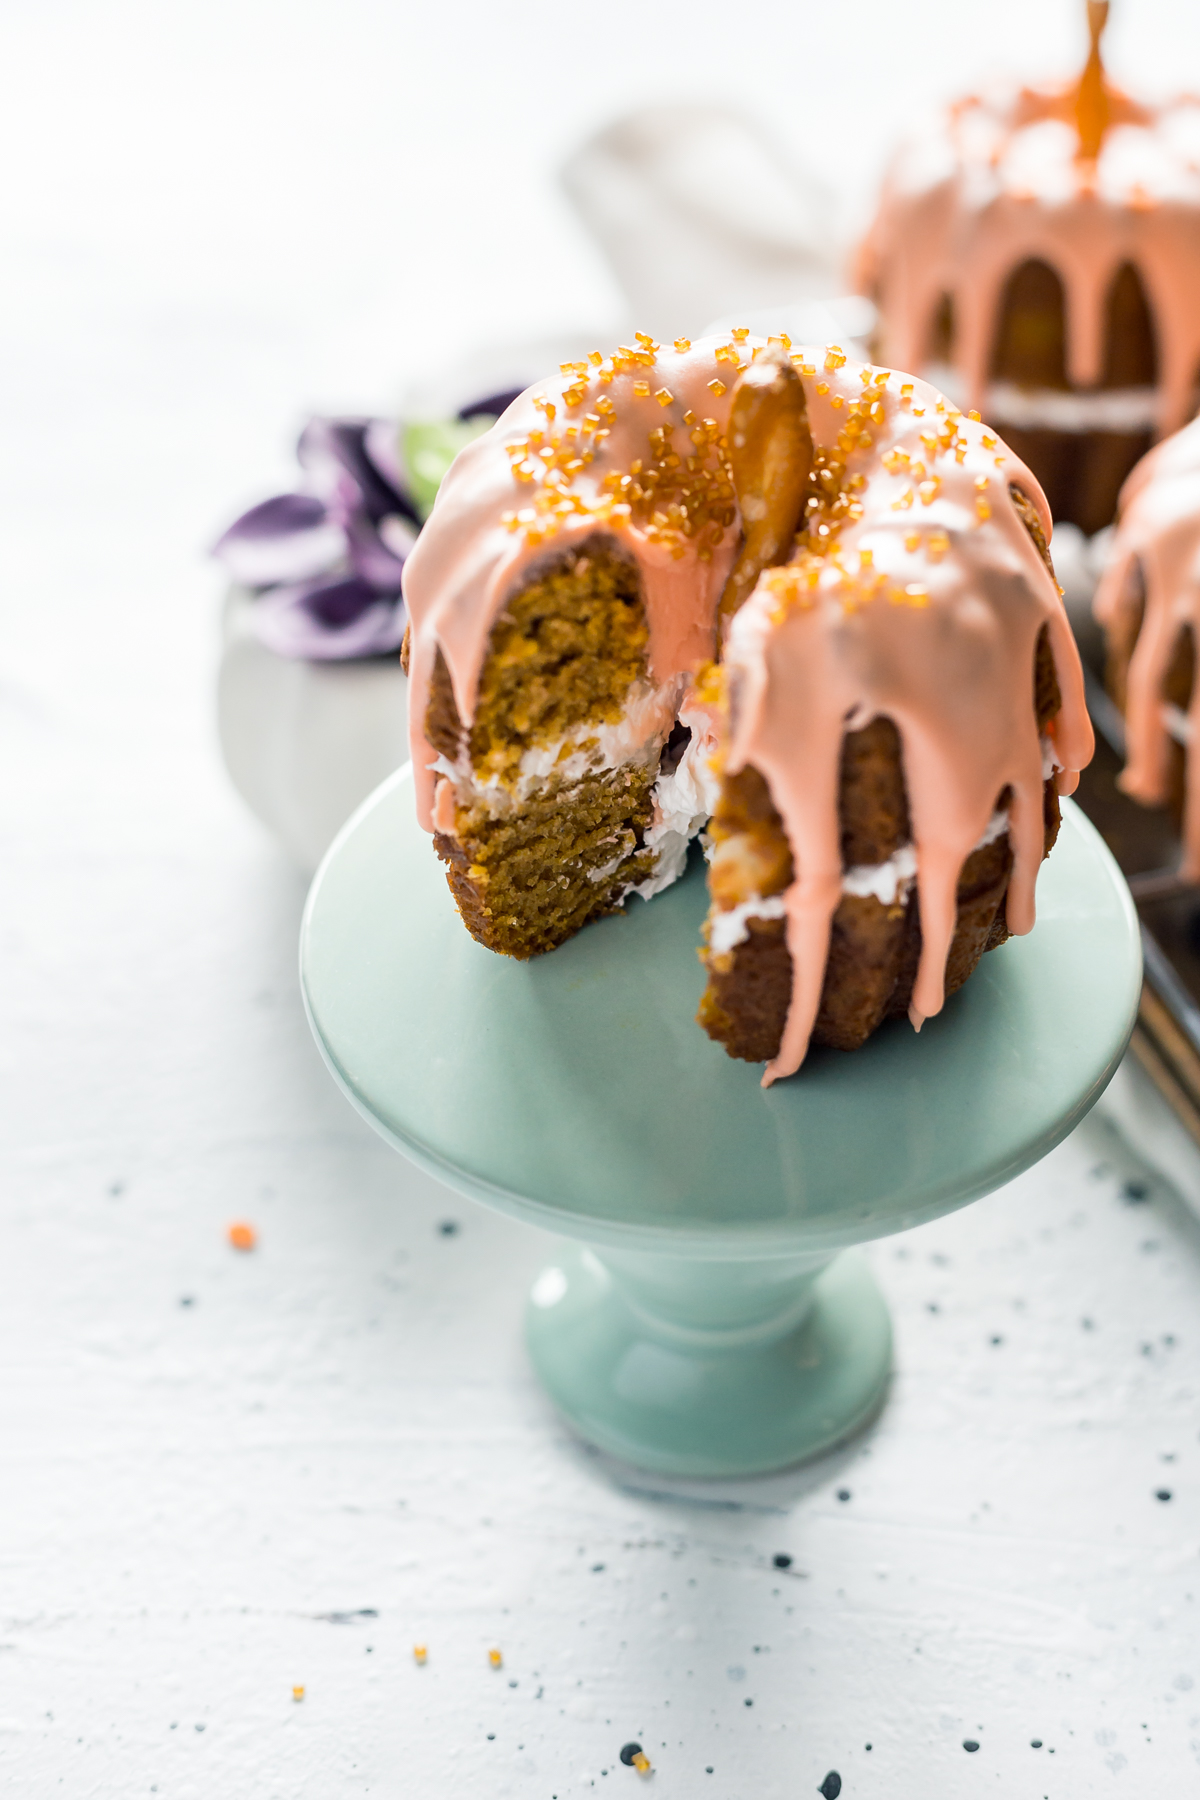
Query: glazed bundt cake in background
x,y
1039,257
902,695
1148,601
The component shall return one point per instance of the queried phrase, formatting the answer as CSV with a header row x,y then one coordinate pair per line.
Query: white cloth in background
x,y
699,211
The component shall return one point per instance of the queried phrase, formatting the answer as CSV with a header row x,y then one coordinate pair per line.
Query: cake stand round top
x,y
576,1090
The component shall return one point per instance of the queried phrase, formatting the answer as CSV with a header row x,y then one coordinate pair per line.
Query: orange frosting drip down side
x,y
917,593
1083,178
927,610
1159,531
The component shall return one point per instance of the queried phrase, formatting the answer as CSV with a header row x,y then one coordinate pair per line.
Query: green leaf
x,y
428,449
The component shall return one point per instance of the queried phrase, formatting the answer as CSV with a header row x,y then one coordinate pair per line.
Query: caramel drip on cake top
x,y
1082,178
915,592
1158,533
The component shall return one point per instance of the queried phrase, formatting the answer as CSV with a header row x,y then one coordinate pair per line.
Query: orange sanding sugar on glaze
x,y
1158,534
915,592
936,631
243,1237
1083,178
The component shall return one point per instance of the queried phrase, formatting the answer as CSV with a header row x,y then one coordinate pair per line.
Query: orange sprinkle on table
x,y
298,1693
244,1237
495,1658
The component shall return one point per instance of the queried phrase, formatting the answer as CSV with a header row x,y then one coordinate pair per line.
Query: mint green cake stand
x,y
707,1316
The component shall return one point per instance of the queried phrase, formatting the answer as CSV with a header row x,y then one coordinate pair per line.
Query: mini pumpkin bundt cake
x,y
879,752
1148,601
1038,255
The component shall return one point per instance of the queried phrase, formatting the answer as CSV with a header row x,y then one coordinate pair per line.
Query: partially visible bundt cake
x,y
1148,601
1039,256
874,565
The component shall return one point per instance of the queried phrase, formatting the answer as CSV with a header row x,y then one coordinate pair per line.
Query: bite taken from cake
x,y
741,581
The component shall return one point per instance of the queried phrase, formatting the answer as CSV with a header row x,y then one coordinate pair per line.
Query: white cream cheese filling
x,y
888,882
589,749
1050,409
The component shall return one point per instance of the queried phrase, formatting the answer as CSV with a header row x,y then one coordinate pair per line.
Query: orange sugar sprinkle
x,y
835,356
912,540
717,388
683,344
595,357
977,418
645,340
928,490
837,401
904,502
982,509
641,390
420,1653
822,387
916,595
243,1237
641,1763
664,396
740,333
298,1692
981,481
495,1658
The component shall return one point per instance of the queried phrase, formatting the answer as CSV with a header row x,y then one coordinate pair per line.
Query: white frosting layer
x,y
729,929
1050,409
684,800
636,738
886,882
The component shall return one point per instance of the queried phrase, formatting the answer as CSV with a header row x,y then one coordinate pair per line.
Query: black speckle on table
x,y
449,1228
628,1752
843,1493
1162,1493
997,1339
971,1744
598,1568
187,1299
831,1787
1035,1743
782,1560
1134,1192
747,1702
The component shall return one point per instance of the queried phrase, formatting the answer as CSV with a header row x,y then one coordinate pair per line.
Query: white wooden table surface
x,y
223,1476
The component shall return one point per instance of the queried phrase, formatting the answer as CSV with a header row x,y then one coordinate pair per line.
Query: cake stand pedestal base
x,y
709,1315
710,1369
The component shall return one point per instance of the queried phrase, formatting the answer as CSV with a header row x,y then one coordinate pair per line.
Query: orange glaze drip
x,y
1083,178
1159,529
923,600
939,638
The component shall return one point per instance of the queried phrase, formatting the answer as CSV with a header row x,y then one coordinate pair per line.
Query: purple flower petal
x,y
289,538
328,621
332,449
492,405
381,445
370,557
